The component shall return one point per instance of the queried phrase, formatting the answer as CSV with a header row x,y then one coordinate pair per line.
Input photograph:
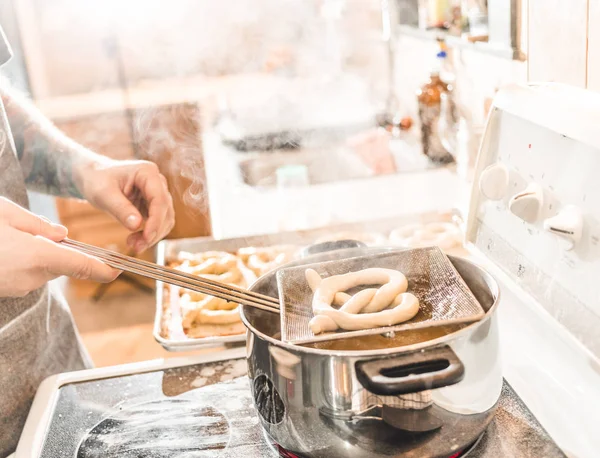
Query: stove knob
x,y
493,182
527,205
567,225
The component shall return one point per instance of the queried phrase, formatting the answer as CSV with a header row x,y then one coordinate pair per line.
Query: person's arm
x,y
134,192
49,159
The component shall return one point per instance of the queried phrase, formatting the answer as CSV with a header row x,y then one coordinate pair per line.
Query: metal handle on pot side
x,y
334,245
411,373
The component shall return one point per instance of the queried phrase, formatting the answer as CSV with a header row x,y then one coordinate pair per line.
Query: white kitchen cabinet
x,y
557,41
76,47
593,59
67,46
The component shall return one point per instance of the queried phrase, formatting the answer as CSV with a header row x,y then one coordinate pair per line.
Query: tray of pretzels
x,y
186,320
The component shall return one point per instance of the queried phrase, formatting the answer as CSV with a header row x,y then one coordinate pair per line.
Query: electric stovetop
x,y
206,410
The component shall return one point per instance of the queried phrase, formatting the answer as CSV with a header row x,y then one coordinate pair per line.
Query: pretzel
x,y
263,260
443,235
223,268
313,279
209,310
201,331
198,309
372,307
199,258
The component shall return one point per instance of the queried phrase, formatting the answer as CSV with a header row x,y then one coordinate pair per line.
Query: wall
x,y
561,40
139,40
16,72
477,74
15,69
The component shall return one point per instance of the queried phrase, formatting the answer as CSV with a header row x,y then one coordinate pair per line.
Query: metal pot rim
x,y
387,351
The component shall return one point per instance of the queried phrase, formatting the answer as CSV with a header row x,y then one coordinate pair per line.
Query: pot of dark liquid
x,y
419,393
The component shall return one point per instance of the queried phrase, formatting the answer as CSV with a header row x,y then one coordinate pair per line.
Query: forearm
x,y
50,160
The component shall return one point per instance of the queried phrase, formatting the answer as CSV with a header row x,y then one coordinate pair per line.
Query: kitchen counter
x,y
155,92
214,391
238,209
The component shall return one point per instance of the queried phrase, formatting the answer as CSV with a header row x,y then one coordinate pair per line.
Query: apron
x,y
37,333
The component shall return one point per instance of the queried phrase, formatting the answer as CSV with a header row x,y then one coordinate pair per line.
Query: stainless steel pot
x,y
413,394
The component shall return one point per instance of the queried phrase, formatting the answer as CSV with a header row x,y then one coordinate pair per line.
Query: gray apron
x,y
37,333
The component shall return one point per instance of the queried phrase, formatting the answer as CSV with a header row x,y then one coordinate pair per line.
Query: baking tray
x,y
168,249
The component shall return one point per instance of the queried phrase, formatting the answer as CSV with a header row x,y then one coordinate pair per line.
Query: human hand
x,y
30,256
135,193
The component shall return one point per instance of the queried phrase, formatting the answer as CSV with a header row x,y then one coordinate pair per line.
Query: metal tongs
x,y
175,277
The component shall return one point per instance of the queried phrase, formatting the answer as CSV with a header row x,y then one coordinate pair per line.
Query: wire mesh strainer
x,y
444,297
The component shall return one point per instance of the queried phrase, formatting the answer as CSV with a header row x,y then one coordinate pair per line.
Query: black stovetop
x,y
206,410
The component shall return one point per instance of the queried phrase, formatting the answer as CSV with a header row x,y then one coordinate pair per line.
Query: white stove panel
x,y
535,208
570,179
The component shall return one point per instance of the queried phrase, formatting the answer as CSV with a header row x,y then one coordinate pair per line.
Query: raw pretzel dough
x,y
198,258
201,331
209,310
313,279
368,308
223,268
263,260
201,310
443,235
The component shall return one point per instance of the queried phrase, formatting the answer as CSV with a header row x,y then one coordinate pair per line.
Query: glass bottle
x,y
429,98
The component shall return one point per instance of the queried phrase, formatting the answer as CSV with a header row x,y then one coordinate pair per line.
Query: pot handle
x,y
411,373
330,246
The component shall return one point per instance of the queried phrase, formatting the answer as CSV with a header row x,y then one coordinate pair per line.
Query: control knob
x,y
527,205
567,225
493,182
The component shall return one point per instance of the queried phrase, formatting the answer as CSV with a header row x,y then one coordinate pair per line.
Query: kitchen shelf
x,y
504,52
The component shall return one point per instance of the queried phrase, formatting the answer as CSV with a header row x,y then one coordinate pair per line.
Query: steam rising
x,y
211,38
171,137
179,45
287,38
